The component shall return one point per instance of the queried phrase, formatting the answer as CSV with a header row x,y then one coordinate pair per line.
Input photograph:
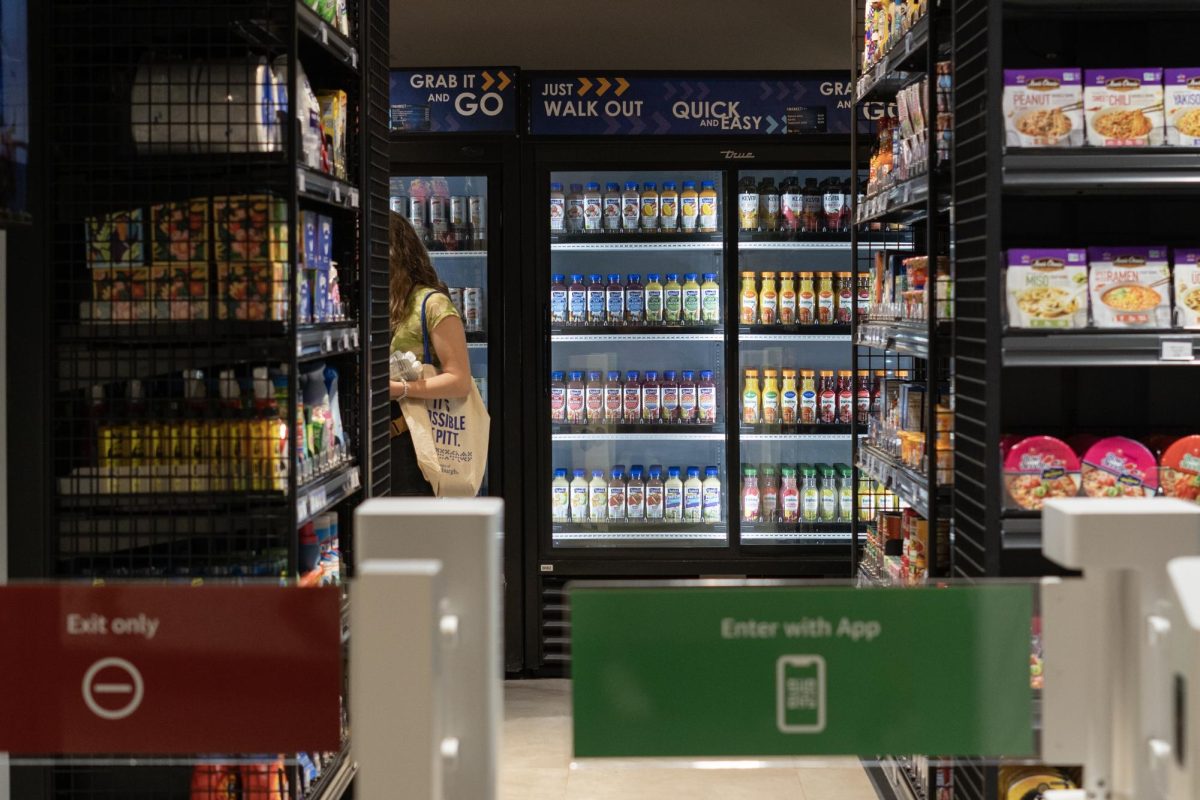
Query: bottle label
x,y
712,504
597,503
654,305
579,503
708,212
691,304
575,404
673,302
592,211
791,504
575,214
616,305
845,407
811,504
595,403
828,407
750,408
768,205
577,305
654,502
749,506
808,407
708,404
670,400
710,305
673,503
787,308
748,210
612,213
687,403
650,403
616,502
633,403
595,304
649,213
692,502
631,211
749,306
828,504
825,308
806,306
845,503
768,301
560,503
668,211
635,303
558,213
635,502
770,401
688,210
558,404
612,403
790,403
558,306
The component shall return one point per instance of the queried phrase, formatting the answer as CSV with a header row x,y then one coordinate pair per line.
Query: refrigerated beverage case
x,y
709,207
810,496
558,299
614,400
576,404
673,496
751,398
635,495
863,397
654,493
558,398
579,497
631,207
747,205
768,300
845,395
710,299
616,494
615,300
612,207
668,208
597,306
791,205
706,398
789,399
688,402
577,306
749,299
693,496
770,397
768,205
560,497
691,298
845,297
809,402
575,209
649,220
769,494
632,393
832,201
813,207
594,398
789,497
673,299
711,497
828,398
654,299
826,300
670,397
750,499
689,207
829,495
597,497
806,300
635,301
787,298
593,208
651,398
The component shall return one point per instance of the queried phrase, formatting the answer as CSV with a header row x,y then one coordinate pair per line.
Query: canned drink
x,y
472,300
416,212
456,299
437,211
458,211
400,205
476,217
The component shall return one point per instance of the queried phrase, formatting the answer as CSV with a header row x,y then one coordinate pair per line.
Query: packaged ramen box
x,y
1119,467
1180,470
1124,107
1043,107
180,231
1183,107
1187,288
1130,287
1039,468
1047,289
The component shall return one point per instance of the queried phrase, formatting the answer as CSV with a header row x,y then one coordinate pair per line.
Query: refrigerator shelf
x,y
477,345
782,433
794,333
753,534
437,254
637,337
686,432
796,437
637,428
646,242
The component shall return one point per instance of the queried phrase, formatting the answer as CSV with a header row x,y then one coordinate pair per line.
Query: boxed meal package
x,y
1119,467
1180,470
180,231
250,228
179,291
1039,468
252,291
1130,287
1047,289
1183,107
1124,107
115,240
1043,107
1186,275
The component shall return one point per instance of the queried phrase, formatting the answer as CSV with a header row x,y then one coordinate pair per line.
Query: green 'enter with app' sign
x,y
710,671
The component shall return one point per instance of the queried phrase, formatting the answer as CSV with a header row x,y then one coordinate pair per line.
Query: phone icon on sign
x,y
800,694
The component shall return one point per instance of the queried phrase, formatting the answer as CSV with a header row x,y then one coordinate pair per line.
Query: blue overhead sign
x,y
480,100
612,104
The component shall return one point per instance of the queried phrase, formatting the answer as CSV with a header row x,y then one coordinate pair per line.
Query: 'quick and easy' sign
x,y
454,101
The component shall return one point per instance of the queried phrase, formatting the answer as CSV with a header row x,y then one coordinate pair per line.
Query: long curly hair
x,y
410,268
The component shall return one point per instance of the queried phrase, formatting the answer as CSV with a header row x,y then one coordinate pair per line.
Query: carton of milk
x,y
1183,107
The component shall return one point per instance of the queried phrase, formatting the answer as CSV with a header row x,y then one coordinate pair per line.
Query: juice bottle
x,y
577,301
689,207
558,398
688,402
826,302
635,495
706,398
691,298
770,494
789,399
616,494
631,207
651,398
672,496
789,497
650,207
596,300
579,497
750,498
806,300
560,497
710,299
558,208
635,301
863,397
810,496
558,299
593,208
749,302
612,207
575,209
768,205
791,205
654,299
768,300
711,496
654,493
845,492
670,397
597,497
747,205
594,398
614,295
751,399
633,397
845,298
829,494
770,397
809,403
787,298
693,496
813,207
576,404
668,208
613,398
709,207
673,299
845,396
847,210
828,398
832,202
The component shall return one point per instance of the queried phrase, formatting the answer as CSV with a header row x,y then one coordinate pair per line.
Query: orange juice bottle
x,y
709,207
689,207
749,305
826,301
808,397
768,300
770,397
751,398
787,298
806,300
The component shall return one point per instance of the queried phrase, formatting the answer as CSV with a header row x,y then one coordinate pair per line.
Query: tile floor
x,y
535,764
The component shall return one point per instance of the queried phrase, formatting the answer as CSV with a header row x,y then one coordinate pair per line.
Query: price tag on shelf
x,y
300,185
353,58
352,194
337,193
1177,350
328,342
316,500
324,33
302,508
345,340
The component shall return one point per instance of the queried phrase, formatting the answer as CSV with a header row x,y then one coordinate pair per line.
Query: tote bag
x,y
450,436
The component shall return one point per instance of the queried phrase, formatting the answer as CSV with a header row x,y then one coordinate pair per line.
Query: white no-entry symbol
x,y
113,682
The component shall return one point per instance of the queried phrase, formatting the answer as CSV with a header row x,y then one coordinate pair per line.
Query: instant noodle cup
x,y
1039,468
1180,471
1187,288
1120,467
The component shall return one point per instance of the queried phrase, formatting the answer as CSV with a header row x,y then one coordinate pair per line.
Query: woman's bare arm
x,y
449,341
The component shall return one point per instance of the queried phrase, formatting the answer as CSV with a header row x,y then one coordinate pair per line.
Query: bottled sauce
x,y
576,412
558,299
593,208
654,299
810,496
654,493
579,497
768,205
710,299
633,397
813,207
614,301
631,207
673,299
711,496
829,494
806,300
787,298
863,397
594,398
709,207
577,301
651,398
650,207
613,398
693,496
597,497
616,494
558,398
691,298
845,492
809,403
688,403
770,397
833,201
670,397
768,300
845,298
560,497
558,210
750,498
749,299
672,496
612,207
828,398
751,399
747,205
596,300
770,494
635,301
845,396
826,302
789,399
789,497
689,207
791,205
706,398
668,208
635,495
575,209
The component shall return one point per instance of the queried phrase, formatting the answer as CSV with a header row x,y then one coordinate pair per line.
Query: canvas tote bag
x,y
449,436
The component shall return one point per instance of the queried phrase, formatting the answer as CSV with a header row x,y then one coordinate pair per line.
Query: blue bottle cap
x,y
557,278
576,376
651,375
652,277
556,376
576,187
688,184
635,278
672,276
597,473
706,374
693,472
618,471
690,276
580,473
612,187
710,276
593,187
711,472
614,277
707,185
632,375
614,376
635,471
669,375
650,185
594,375
689,375
560,473
576,278
655,471
596,277
631,185
673,472
668,184
556,187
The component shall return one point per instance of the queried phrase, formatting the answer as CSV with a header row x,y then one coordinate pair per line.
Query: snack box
x,y
1047,289
1043,107
1182,99
252,291
115,239
1179,473
180,231
119,294
310,224
1130,287
333,120
250,228
318,281
179,291
1119,467
1039,468
304,312
1124,107
324,242
1187,288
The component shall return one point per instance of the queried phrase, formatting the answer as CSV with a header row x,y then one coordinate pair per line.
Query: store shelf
x,y
1098,349
902,64
777,533
606,534
794,333
1141,170
905,338
438,255
320,187
637,241
318,342
905,203
326,491
676,433
477,345
636,431
311,28
335,779
819,241
1021,532
155,503
795,433
596,334
907,484
795,244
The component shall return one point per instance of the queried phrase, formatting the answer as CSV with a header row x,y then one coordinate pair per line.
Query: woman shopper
x,y
416,286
